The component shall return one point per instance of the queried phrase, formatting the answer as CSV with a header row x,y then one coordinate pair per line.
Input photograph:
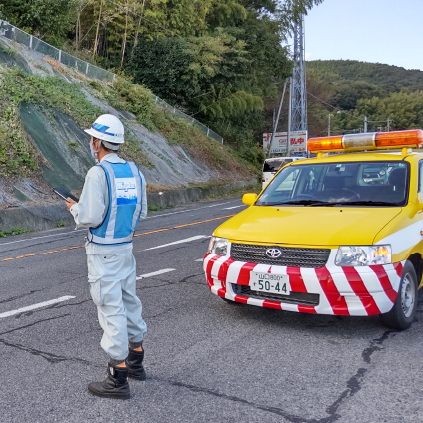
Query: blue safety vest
x,y
125,187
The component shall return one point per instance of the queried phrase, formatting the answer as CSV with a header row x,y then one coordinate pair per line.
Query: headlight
x,y
363,256
218,246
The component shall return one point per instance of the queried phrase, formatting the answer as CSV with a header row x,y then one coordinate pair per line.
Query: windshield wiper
x,y
353,203
318,203
368,203
295,202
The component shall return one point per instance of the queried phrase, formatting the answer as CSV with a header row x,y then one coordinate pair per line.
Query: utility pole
x,y
299,99
365,124
275,126
288,135
389,124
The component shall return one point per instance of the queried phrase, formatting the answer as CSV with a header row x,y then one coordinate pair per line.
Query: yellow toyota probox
x,y
336,234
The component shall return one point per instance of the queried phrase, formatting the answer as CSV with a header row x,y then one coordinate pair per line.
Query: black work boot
x,y
134,363
114,386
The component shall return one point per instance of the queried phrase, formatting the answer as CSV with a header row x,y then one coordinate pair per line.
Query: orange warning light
x,y
367,141
413,138
325,144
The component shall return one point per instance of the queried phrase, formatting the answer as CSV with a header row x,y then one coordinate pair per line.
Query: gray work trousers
x,y
112,282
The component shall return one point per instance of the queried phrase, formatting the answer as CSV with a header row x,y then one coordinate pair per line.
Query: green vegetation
x,y
131,150
220,61
133,98
74,145
61,224
10,51
17,154
154,208
179,131
358,89
16,231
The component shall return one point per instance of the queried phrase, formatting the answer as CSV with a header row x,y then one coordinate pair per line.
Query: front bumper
x,y
354,291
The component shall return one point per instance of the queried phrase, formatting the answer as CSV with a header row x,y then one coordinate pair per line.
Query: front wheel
x,y
402,313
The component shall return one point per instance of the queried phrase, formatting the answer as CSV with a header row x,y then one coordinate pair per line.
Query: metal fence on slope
x,y
17,35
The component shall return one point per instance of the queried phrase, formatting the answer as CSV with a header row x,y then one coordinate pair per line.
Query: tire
x,y
402,313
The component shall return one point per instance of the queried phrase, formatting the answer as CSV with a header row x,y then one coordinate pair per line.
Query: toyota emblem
x,y
273,253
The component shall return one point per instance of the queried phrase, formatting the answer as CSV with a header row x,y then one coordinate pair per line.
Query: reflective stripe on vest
x,y
124,185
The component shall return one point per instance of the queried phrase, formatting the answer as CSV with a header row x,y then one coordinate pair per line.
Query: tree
x,y
47,19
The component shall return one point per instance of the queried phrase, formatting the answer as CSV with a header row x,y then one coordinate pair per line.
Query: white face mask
x,y
94,152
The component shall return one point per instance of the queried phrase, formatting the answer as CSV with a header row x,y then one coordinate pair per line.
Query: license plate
x,y
267,282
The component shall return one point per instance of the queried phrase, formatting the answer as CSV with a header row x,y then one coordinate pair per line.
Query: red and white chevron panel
x,y
354,291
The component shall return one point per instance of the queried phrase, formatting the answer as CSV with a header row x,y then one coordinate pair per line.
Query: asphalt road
x,y
206,360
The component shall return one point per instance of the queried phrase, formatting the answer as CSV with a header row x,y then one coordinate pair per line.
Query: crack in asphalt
x,y
62,305
375,345
192,276
353,386
16,297
50,357
170,283
34,323
274,410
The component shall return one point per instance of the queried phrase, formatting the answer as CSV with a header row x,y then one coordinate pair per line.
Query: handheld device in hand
x,y
65,194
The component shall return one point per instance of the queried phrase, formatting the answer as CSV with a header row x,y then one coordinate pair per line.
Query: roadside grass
x,y
180,132
154,208
18,155
16,231
236,192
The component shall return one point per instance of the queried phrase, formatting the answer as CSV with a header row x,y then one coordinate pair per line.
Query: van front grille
x,y
294,257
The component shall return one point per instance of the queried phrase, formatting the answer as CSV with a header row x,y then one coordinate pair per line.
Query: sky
x,y
378,31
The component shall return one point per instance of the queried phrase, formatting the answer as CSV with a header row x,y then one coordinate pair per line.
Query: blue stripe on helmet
x,y
102,129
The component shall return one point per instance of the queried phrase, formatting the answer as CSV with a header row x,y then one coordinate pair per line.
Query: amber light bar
x,y
367,141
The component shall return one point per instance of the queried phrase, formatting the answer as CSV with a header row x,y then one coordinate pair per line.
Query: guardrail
x,y
21,37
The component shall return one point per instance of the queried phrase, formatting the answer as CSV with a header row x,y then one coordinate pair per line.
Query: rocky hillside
x,y
44,107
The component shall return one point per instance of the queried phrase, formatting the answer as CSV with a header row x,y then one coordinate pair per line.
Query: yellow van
x,y
345,238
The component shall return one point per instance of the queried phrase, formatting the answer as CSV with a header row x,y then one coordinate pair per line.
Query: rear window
x,y
273,165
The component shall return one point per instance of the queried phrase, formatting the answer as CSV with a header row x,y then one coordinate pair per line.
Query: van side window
x,y
420,176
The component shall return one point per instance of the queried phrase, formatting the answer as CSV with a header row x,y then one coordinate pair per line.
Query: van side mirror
x,y
249,199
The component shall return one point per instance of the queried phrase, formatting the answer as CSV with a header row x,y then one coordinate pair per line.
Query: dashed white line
x,y
159,272
181,241
40,237
236,207
35,306
199,259
187,210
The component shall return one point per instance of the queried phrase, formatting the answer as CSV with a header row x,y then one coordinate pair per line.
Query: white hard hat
x,y
107,128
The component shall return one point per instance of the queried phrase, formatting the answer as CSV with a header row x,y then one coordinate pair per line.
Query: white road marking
x,y
236,207
199,259
187,210
148,217
35,306
40,237
181,241
159,272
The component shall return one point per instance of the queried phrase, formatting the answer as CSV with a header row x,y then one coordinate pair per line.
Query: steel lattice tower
x,y
299,97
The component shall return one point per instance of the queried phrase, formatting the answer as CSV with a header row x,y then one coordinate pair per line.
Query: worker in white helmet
x,y
112,202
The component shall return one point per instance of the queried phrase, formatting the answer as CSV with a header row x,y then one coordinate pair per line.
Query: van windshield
x,y
374,184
